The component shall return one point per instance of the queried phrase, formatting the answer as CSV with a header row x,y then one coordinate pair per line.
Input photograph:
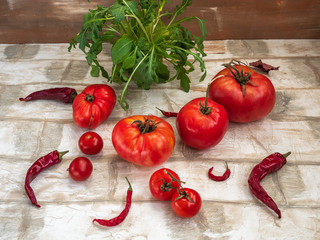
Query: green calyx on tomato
x,y
241,77
166,186
89,98
147,126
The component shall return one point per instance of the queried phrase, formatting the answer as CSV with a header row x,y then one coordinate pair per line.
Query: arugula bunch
x,y
142,44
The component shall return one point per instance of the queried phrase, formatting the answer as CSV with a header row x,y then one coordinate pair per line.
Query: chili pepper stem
x,y
62,153
286,154
130,187
162,111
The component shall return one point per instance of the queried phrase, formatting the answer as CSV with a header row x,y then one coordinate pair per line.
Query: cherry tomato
x,y
202,127
93,105
186,204
80,169
143,140
162,186
90,143
247,97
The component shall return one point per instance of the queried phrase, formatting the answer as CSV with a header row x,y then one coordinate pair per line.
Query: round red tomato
x,y
186,204
246,96
80,169
93,106
143,140
161,184
202,127
90,143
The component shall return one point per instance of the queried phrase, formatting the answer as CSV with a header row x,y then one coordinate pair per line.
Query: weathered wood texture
x,y
53,21
229,210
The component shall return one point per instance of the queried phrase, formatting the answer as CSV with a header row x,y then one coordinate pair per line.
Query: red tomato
x,y
257,102
90,143
162,186
143,140
200,129
93,105
183,206
80,169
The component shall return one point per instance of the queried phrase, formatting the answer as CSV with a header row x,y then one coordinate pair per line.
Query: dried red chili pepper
x,y
168,114
270,164
64,94
120,218
225,176
38,166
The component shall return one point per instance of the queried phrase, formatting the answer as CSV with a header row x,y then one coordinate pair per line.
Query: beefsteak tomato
x,y
245,94
202,123
93,106
143,140
162,185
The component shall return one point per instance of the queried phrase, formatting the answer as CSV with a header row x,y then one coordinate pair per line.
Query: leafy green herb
x,y
143,46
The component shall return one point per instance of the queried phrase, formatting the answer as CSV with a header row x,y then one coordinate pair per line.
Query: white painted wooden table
x,y
229,211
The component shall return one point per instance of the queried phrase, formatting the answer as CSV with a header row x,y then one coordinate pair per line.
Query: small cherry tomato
x,y
161,184
90,143
186,202
80,169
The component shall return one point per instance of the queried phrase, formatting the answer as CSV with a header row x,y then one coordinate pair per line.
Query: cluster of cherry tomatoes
x,y
165,185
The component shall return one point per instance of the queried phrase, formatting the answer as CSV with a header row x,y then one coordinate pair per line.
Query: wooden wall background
x,y
54,21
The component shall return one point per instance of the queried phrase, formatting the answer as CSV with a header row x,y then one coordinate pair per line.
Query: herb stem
x,y
121,100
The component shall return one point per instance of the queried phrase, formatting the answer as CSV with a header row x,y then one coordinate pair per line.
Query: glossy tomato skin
x,y
199,130
80,169
144,149
90,143
185,208
156,182
93,106
257,102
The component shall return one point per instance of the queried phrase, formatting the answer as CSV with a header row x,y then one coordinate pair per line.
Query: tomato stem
x,y
205,109
241,77
147,126
181,191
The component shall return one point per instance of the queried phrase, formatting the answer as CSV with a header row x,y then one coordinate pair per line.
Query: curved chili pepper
x,y
120,218
38,166
168,114
64,94
270,164
225,176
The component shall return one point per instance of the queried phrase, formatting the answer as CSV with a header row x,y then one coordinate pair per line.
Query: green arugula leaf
x,y
121,49
95,71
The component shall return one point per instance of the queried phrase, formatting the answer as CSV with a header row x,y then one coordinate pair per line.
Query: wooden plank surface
x,y
31,130
52,21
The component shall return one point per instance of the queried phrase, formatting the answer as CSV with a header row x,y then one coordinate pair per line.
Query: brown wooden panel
x,y
51,21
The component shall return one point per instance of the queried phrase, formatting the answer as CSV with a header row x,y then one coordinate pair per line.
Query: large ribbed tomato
x,y
93,105
245,94
202,123
143,140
